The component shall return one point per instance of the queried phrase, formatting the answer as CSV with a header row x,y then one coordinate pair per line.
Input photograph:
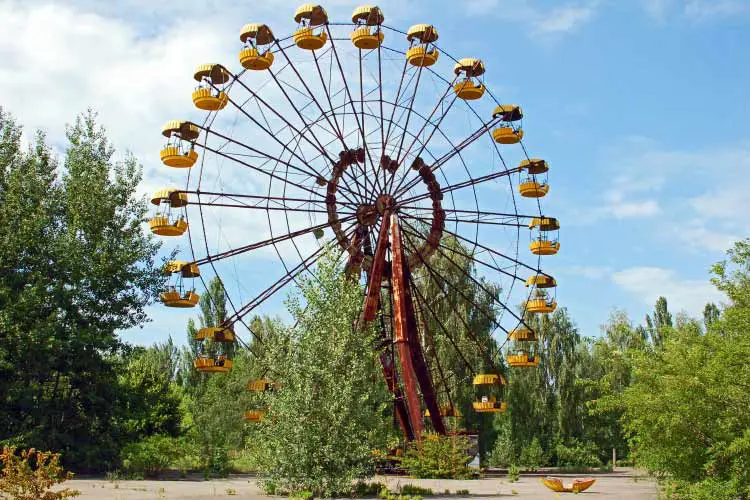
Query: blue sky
x,y
640,107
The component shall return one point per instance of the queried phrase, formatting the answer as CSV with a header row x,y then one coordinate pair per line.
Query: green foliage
x,y
411,489
460,318
436,456
30,475
319,431
152,455
532,455
77,267
577,455
686,409
503,454
514,473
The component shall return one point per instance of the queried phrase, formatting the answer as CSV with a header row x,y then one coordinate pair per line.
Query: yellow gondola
x,y
530,188
256,55
577,486
216,349
254,416
310,35
208,96
448,411
488,388
367,35
522,348
470,88
422,51
262,385
542,302
211,365
177,293
176,153
508,132
543,244
164,222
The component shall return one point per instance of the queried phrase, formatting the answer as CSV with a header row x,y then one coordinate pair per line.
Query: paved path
x,y
616,486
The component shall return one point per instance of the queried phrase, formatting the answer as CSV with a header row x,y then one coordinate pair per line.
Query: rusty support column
x,y
407,338
369,313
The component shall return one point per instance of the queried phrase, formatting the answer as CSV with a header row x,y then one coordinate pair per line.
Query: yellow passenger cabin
x,y
169,217
422,51
469,70
311,32
179,152
256,54
488,388
367,34
209,95
510,130
178,293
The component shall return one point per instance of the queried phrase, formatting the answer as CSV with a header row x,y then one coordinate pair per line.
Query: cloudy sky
x,y
640,107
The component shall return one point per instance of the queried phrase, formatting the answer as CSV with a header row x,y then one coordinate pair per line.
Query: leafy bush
x,y
503,454
577,455
319,431
436,456
151,456
532,456
410,489
20,480
514,474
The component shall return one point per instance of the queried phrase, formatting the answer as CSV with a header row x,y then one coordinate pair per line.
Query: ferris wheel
x,y
378,143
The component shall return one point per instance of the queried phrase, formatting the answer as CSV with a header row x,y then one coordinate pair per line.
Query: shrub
x,y
502,455
514,474
410,489
20,480
532,456
151,456
436,456
577,455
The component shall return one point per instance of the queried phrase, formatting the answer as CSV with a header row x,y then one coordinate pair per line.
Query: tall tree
x,y
77,268
660,322
687,407
320,428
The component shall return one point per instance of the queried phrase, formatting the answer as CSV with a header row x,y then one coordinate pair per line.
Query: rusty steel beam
x,y
369,314
413,364
372,300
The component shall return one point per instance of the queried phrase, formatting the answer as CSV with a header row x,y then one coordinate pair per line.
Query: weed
x,y
410,489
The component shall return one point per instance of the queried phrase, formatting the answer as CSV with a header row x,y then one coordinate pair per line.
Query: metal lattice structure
x,y
377,142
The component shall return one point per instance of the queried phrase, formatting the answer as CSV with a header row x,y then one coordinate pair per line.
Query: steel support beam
x,y
413,366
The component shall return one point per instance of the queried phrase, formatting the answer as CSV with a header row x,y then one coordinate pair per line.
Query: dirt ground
x,y
620,485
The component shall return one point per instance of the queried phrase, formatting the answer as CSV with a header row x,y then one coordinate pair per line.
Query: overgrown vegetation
x,y
436,456
29,475
670,395
319,431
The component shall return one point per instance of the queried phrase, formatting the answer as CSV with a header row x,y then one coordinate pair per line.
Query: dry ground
x,y
621,485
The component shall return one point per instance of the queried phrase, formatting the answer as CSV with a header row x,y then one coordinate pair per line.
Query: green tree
x,y
686,409
320,429
711,314
661,321
458,312
77,267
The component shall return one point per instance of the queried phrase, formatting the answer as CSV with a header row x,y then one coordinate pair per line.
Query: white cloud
x,y
588,272
697,10
564,19
543,21
705,9
649,283
657,8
